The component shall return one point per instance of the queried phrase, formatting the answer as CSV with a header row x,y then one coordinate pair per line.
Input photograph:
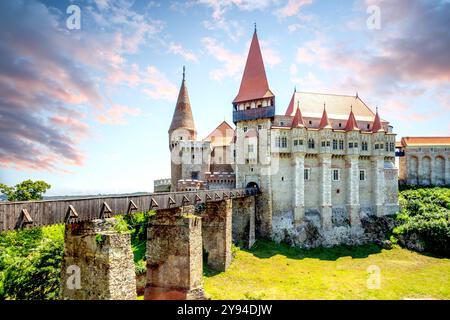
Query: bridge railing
x,y
16,215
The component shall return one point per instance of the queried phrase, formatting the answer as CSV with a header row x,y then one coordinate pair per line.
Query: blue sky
x,y
88,110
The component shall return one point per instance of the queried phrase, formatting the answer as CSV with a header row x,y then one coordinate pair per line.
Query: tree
x,y
25,191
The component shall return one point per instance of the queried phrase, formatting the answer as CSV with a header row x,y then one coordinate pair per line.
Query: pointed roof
x,y
324,122
376,126
351,122
222,135
254,83
298,121
182,116
290,110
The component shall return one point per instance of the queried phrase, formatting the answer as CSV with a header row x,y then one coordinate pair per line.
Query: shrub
x,y
425,220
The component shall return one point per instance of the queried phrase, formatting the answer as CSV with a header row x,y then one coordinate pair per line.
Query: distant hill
x,y
94,195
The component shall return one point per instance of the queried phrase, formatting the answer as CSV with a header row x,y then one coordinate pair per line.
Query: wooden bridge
x,y
20,214
98,259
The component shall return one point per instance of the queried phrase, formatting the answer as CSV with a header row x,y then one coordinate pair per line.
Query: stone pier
x,y
244,221
216,234
174,255
97,263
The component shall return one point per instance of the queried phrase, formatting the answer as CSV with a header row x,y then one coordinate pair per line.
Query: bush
x,y
425,220
30,263
30,259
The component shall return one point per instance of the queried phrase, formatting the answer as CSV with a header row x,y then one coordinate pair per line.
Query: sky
x,y
88,109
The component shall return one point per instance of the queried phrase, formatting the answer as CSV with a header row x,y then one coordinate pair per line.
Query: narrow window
x,y
350,145
335,174
284,142
335,144
341,144
245,129
307,173
362,175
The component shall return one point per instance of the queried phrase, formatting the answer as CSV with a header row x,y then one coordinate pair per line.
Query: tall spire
x,y
182,116
290,110
298,121
351,122
324,122
254,83
376,126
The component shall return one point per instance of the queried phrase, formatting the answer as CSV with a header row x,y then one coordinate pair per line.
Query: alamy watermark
x,y
74,280
73,22
373,22
373,277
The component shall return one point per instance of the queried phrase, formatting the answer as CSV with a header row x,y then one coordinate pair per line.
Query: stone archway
x,y
252,187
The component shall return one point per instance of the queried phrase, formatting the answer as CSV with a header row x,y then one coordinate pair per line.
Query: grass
x,y
277,271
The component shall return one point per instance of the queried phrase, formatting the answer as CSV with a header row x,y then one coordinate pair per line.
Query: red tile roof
x,y
437,141
290,110
254,83
376,127
222,135
298,121
351,123
182,116
324,122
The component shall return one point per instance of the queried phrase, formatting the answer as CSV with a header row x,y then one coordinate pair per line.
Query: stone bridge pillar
x,y
216,234
244,210
174,255
97,263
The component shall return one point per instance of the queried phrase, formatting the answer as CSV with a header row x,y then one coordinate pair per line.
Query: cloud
x,y
271,57
51,78
291,8
116,114
219,21
160,86
178,49
233,63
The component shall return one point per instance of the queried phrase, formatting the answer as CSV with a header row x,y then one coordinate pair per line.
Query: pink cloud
x,y
292,8
116,114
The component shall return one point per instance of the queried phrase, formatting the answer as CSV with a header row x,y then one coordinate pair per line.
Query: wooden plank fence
x,y
16,215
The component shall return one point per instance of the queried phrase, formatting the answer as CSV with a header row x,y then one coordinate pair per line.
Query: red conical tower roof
x,y
351,123
290,110
376,126
254,83
324,122
298,121
182,116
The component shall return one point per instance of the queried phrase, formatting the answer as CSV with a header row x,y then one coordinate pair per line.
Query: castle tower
x,y
253,112
182,126
181,131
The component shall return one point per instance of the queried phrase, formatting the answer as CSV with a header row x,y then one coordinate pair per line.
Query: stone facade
x,y
244,221
424,161
97,263
216,234
174,255
324,165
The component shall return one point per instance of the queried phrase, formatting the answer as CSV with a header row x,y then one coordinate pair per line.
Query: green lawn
x,y
276,271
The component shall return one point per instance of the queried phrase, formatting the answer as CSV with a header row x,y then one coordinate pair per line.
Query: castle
x,y
322,166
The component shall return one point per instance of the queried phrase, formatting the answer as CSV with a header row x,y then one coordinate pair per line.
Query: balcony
x,y
253,114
